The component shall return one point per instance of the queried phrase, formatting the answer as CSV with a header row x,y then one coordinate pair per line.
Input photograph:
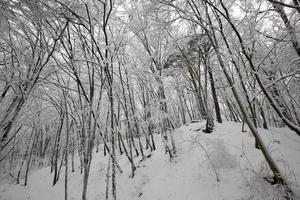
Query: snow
x,y
226,153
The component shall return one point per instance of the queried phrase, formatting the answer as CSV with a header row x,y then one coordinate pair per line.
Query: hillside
x,y
227,153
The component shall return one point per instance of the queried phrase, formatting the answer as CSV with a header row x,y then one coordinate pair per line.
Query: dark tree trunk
x,y
214,94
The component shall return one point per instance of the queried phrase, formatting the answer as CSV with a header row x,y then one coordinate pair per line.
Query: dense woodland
x,y
108,76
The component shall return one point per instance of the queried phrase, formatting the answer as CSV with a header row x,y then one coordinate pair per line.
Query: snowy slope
x,y
227,153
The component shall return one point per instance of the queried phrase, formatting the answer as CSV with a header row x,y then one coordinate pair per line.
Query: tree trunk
x,y
30,155
214,94
24,157
12,157
56,149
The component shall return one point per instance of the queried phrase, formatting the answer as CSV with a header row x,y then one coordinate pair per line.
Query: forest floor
x,y
226,154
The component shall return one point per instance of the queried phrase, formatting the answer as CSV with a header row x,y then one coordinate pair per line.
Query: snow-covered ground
x,y
227,153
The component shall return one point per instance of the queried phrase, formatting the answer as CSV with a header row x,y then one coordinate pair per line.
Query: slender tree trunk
x,y
85,178
62,159
107,179
214,94
73,152
29,156
129,158
24,157
67,154
56,151
263,115
113,168
12,157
